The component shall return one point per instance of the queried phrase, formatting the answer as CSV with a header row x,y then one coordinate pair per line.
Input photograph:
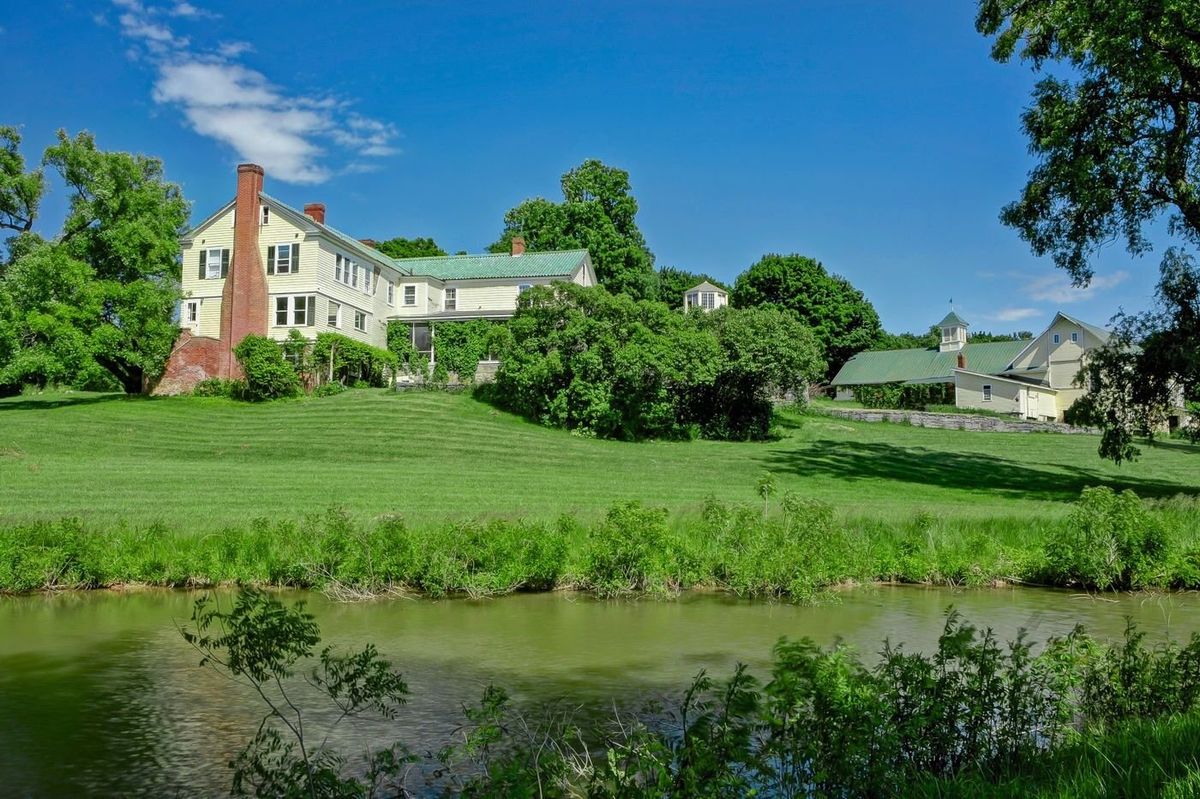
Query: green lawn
x,y
200,464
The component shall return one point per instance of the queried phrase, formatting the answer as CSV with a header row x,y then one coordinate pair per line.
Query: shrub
x,y
629,551
1109,541
268,375
613,367
220,387
328,389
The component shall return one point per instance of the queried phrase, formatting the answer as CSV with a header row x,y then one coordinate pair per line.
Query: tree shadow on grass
x,y
46,403
847,460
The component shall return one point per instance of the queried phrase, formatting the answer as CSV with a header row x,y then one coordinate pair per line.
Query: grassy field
x,y
200,464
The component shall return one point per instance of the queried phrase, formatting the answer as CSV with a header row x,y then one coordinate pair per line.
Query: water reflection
x,y
100,696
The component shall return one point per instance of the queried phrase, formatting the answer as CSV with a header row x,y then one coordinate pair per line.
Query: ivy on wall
x,y
902,396
340,358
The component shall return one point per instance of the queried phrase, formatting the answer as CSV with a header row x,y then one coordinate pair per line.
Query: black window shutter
x,y
203,263
270,260
295,251
312,310
224,263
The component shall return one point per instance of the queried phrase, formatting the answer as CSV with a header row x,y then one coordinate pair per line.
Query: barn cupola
x,y
954,333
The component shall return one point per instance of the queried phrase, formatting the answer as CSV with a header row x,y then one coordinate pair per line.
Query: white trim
x,y
290,308
335,315
209,263
447,300
1006,380
986,392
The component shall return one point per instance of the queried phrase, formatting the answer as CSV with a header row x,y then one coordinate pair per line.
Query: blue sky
x,y
877,137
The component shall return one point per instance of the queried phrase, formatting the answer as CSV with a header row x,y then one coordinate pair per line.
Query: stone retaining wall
x,y
957,421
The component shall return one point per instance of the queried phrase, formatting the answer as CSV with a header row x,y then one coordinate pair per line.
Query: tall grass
x,y
798,549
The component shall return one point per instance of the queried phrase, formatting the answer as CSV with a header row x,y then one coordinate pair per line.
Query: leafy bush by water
x,y
1111,541
972,713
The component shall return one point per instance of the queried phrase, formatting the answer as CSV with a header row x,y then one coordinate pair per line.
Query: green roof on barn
x,y
926,365
561,263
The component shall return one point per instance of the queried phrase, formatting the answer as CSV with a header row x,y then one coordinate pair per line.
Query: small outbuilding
x,y
706,297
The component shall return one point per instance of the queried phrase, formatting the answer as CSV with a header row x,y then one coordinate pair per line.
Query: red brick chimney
x,y
316,212
244,298
369,242
518,245
962,361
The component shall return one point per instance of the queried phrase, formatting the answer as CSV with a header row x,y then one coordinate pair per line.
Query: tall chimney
x,y
370,243
518,245
316,212
962,360
244,297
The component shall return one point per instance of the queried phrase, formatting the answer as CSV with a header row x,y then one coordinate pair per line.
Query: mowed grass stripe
x,y
204,463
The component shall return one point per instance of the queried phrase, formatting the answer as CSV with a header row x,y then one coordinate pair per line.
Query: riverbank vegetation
x,y
797,549
975,717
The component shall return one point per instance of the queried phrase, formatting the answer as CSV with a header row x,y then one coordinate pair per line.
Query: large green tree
x,y
94,306
401,247
1115,128
597,213
616,367
841,317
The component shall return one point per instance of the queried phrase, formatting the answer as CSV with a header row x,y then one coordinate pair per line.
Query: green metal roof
x,y
925,365
561,263
952,319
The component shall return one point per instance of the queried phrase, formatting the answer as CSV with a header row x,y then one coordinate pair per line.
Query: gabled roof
x,y
706,286
953,320
307,223
925,365
1098,332
560,263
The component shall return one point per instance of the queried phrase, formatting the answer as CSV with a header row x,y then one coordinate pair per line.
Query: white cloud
x,y
185,9
1058,289
234,49
297,138
1014,314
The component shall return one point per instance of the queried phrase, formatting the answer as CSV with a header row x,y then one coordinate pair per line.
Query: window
x,y
360,321
368,274
301,309
422,338
1057,338
1074,338
410,295
707,300
266,213
337,267
191,312
281,259
987,393
214,262
335,314
391,293
524,287
451,299
693,300
947,334
353,275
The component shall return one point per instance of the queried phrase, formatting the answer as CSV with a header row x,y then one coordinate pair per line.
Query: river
x,y
100,696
